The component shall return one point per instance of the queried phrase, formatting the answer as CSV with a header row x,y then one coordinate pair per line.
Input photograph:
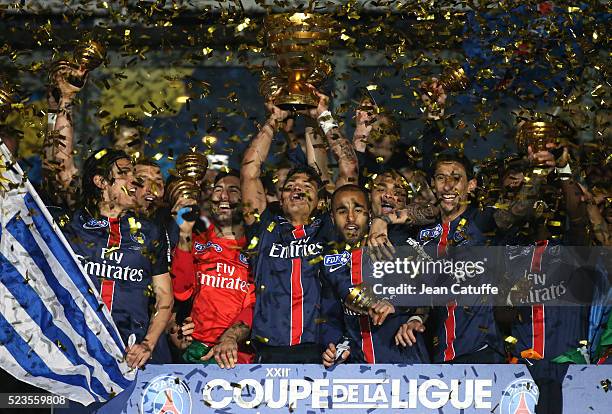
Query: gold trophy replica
x,y
299,42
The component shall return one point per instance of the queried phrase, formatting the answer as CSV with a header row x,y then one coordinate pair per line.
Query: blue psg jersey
x,y
369,343
548,273
460,330
286,267
120,255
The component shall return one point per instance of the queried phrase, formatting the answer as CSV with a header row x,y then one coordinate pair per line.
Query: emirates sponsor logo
x,y
109,266
224,279
296,248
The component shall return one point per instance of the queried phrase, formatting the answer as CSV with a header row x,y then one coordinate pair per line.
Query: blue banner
x,y
185,389
310,389
588,389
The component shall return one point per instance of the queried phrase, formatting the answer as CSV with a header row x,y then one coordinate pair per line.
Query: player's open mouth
x,y
150,198
352,227
298,196
449,197
387,208
224,206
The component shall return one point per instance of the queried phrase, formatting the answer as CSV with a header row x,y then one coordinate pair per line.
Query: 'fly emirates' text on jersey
x,y
545,329
286,264
216,273
121,256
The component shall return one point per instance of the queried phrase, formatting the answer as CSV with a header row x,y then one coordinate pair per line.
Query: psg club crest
x,y
520,397
166,394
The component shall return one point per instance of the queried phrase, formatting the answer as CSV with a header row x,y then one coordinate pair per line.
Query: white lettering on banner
x,y
296,248
350,393
277,372
283,388
258,392
206,391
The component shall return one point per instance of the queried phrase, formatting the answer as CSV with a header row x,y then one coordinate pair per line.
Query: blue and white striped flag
x,y
55,333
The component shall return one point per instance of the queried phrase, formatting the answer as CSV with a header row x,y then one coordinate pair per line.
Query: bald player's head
x,y
351,212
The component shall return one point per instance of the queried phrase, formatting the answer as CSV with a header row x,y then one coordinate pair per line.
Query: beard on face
x,y
229,215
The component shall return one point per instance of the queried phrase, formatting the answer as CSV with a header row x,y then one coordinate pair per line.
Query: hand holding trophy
x,y
434,92
185,189
68,76
544,141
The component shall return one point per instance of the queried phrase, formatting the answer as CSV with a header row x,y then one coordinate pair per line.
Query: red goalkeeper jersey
x,y
216,273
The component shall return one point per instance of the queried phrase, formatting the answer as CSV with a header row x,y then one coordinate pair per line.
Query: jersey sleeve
x,y
248,306
332,316
485,220
249,298
183,274
159,253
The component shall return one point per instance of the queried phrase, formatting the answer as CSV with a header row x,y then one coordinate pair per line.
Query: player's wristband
x,y
51,120
327,122
564,173
416,318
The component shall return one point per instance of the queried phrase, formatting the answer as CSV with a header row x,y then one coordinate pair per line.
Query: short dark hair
x,y
513,163
100,163
313,175
454,156
148,162
7,131
351,187
229,173
388,171
393,127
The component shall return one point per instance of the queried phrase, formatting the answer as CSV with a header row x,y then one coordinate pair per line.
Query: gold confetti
x,y
511,340
253,243
100,154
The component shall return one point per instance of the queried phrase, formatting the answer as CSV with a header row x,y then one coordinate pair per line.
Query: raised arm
x,y
316,154
253,193
522,207
341,147
59,146
364,118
